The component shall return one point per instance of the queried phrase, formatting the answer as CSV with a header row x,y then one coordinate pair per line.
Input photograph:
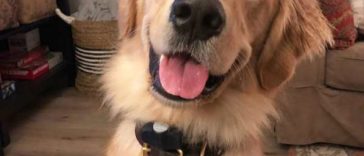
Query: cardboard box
x,y
25,41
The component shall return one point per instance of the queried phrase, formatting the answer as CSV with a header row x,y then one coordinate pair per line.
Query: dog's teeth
x,y
160,127
161,59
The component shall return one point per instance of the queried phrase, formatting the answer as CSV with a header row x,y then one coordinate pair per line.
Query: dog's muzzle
x,y
180,74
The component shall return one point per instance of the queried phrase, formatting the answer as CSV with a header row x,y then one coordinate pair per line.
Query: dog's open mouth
x,y
179,77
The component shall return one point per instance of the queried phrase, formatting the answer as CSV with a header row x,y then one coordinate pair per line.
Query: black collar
x,y
161,140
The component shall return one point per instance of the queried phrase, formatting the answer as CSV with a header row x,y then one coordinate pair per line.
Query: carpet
x,y
325,150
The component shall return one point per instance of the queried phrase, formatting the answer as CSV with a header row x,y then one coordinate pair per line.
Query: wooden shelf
x,y
58,36
30,91
24,28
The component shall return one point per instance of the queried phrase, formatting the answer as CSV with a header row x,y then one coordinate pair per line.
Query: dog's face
x,y
210,67
213,33
198,46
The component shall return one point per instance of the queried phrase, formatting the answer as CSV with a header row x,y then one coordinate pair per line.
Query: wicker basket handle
x,y
65,18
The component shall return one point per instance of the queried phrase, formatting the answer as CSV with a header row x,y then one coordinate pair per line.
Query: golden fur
x,y
268,37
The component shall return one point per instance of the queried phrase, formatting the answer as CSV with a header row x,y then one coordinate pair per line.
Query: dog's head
x,y
210,66
198,47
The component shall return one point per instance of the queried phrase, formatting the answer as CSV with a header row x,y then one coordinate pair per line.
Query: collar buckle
x,y
146,150
203,150
180,152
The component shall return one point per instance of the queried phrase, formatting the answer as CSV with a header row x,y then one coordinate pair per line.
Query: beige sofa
x,y
324,102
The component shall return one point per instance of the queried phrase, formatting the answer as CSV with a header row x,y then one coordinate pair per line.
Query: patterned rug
x,y
325,150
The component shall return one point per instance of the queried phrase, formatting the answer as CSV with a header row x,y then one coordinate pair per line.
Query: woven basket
x,y
88,83
95,43
93,61
95,35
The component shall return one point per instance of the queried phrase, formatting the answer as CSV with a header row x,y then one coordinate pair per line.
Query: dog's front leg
x,y
124,142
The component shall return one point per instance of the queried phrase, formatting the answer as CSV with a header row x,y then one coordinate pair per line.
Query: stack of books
x,y
25,59
28,65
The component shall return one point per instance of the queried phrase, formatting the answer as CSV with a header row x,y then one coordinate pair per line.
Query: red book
x,y
28,72
19,59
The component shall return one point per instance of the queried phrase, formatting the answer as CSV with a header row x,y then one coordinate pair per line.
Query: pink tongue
x,y
182,77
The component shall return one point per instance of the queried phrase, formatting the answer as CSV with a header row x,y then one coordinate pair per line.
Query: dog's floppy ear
x,y
127,17
298,29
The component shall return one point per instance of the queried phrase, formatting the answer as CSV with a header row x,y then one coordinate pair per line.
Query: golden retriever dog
x,y
209,68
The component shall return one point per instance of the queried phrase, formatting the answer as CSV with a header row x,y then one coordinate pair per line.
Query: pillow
x,y
358,7
340,15
8,17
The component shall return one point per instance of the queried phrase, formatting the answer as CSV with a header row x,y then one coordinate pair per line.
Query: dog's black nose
x,y
199,19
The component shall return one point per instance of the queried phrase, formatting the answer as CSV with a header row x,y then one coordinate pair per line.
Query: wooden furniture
x,y
57,35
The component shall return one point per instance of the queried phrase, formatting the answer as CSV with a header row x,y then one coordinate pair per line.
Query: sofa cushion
x,y
320,115
340,15
345,68
358,8
313,113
